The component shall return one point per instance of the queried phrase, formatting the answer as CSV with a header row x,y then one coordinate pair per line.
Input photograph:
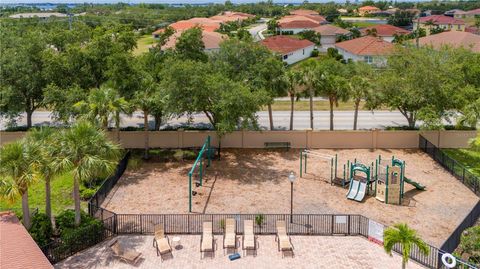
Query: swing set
x,y
198,170
342,180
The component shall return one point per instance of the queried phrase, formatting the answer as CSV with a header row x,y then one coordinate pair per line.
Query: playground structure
x,y
390,181
385,182
198,170
342,180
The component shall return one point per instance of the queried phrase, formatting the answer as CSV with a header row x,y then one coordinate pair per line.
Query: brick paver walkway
x,y
310,252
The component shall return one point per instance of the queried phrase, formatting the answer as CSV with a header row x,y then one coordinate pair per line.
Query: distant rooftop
x,y
285,44
454,39
367,45
385,30
440,19
37,14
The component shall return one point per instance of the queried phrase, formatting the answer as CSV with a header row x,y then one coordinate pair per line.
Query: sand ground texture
x,y
255,181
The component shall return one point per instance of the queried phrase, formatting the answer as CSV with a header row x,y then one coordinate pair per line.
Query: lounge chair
x,y
282,238
230,235
161,242
207,241
249,238
129,256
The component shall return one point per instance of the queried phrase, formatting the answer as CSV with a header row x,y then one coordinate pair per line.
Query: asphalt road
x,y
343,120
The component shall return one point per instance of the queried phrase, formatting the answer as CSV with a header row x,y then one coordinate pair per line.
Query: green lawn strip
x,y
469,158
305,106
62,198
143,44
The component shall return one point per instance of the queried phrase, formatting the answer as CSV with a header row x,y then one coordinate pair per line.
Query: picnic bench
x,y
277,145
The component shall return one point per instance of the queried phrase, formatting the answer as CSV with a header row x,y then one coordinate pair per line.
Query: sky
x,y
167,1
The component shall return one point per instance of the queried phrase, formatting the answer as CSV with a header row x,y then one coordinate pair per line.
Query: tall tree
x,y
292,80
407,238
194,87
104,105
360,85
309,79
44,139
420,84
190,45
87,152
18,172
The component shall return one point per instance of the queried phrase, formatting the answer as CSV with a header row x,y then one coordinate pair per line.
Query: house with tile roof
x,y
329,35
446,23
18,250
298,23
207,24
365,10
230,16
291,50
386,32
211,40
303,12
460,14
453,39
372,50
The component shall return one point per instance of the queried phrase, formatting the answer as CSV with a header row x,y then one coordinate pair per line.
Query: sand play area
x,y
256,181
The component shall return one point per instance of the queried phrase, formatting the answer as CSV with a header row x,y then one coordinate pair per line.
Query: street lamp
x,y
291,178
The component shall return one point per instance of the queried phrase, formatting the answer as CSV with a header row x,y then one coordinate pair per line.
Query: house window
x,y
368,59
303,52
285,56
459,27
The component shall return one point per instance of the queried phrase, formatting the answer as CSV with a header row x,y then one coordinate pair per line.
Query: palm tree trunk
x,y
270,116
311,108
145,129
117,125
292,104
355,115
26,210
331,113
29,118
76,198
404,264
48,202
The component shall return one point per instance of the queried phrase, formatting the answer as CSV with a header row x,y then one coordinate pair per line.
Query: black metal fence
x,y
98,198
458,170
61,249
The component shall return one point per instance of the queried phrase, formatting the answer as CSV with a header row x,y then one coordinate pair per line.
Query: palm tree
x,y
18,161
407,238
44,140
292,79
310,80
103,105
87,152
359,85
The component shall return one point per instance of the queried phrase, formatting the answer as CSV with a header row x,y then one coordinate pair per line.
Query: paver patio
x,y
310,252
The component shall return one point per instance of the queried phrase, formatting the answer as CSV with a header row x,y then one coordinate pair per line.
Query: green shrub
x,y
66,220
134,163
259,219
88,233
87,193
41,229
470,244
314,53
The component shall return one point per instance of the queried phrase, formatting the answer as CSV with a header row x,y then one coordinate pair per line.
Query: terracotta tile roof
x,y
368,8
367,45
304,12
385,30
17,248
314,18
330,30
211,40
440,19
206,24
285,44
298,24
473,30
454,39
473,12
228,16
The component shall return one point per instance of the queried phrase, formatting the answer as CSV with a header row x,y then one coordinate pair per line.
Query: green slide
x,y
415,184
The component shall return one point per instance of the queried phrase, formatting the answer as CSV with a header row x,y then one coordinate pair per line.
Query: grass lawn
x,y
143,44
305,106
468,157
62,198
